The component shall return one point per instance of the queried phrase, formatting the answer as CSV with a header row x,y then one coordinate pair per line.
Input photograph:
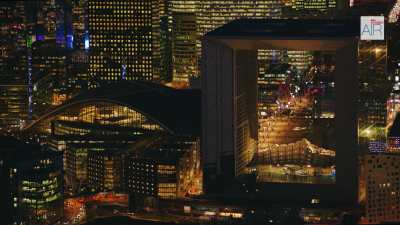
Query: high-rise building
x,y
184,27
13,66
49,71
213,14
382,196
194,18
374,88
230,123
165,41
310,8
79,23
124,39
76,77
13,91
50,20
184,35
32,183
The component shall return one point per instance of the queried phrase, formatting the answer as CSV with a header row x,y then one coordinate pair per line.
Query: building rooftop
x,y
177,110
164,150
15,151
289,28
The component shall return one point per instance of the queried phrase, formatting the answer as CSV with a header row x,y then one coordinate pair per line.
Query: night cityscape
x,y
199,112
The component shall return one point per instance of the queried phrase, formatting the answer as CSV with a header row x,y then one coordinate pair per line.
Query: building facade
x,y
13,66
124,40
32,184
229,81
169,169
382,203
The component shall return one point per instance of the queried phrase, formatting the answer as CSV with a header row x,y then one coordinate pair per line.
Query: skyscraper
x,y
194,18
184,35
229,103
79,22
50,18
13,65
13,92
48,69
124,39
374,88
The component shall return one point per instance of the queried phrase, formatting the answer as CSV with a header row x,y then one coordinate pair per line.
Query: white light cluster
x,y
395,13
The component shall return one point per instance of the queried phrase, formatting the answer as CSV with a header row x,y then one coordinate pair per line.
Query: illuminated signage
x,y
372,28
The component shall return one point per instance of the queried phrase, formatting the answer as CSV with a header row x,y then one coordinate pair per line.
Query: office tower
x,y
168,169
13,26
184,46
13,92
105,170
213,14
165,41
51,21
374,88
79,23
184,37
301,60
312,8
382,188
230,123
194,18
49,72
124,39
77,68
32,183
266,57
13,66
272,75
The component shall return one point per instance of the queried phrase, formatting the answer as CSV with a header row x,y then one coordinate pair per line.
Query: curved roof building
x,y
175,111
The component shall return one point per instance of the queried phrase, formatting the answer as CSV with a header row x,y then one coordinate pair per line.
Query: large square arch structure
x,y
229,99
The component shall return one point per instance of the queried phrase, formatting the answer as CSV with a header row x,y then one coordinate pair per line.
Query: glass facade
x,y
295,115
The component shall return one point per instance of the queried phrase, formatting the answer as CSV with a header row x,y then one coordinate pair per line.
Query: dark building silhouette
x,y
31,183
